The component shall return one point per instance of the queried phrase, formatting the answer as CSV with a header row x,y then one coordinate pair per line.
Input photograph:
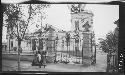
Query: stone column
x,y
87,48
83,22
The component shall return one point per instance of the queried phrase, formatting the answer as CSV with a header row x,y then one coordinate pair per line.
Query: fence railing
x,y
112,62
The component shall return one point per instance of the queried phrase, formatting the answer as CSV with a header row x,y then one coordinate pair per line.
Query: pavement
x,y
11,65
15,52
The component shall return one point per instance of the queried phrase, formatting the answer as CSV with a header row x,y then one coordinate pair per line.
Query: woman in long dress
x,y
39,58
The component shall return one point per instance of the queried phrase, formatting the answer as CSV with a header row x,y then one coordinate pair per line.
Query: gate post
x,y
82,55
82,47
108,61
107,64
55,51
107,69
73,47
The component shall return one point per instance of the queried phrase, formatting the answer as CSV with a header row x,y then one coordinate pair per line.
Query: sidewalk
x,y
100,66
15,52
58,67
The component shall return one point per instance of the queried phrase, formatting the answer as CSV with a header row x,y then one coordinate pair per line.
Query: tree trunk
x,y
95,54
69,48
67,52
9,44
19,49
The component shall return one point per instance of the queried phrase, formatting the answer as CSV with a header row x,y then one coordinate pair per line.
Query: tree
x,y
110,43
16,25
18,21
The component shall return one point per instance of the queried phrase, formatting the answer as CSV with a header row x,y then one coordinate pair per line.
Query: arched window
x,y
76,25
11,44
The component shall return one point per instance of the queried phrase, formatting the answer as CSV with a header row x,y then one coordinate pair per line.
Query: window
x,y
77,25
11,43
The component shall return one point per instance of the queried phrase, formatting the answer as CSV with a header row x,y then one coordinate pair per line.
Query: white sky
x,y
104,17
59,16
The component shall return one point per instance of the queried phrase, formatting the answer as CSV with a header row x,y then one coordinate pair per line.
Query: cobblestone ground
x,y
11,65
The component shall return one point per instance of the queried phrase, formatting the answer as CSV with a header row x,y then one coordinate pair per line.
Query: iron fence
x,y
112,62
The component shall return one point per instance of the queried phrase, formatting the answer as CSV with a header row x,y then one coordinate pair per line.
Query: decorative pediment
x,y
76,8
86,26
77,25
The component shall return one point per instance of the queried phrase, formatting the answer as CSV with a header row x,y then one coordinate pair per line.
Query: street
x,y
11,65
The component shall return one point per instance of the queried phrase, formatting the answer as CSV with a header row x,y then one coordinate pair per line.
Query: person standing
x,y
39,58
43,59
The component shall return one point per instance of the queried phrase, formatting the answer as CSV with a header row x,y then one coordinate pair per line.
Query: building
x,y
4,46
79,39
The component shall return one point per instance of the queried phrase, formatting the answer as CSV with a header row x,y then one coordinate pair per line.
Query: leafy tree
x,y
18,21
110,43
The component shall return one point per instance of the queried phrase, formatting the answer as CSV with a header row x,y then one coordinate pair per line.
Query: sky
x,y
104,18
59,16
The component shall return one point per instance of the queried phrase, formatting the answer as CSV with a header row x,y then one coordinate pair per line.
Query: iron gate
x,y
72,52
112,62
50,48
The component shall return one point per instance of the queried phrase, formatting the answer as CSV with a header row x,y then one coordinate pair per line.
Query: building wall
x,y
24,45
82,18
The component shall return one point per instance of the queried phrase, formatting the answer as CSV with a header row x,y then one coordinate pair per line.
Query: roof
x,y
43,29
